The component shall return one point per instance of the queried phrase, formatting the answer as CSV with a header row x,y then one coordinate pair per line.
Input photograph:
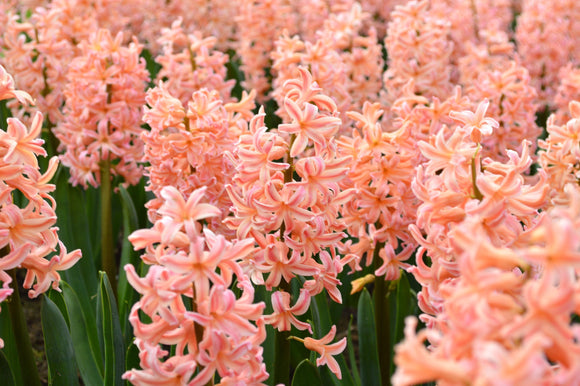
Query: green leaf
x,y
369,356
62,369
58,300
6,371
10,349
76,226
126,294
306,374
351,355
84,337
132,357
109,331
320,315
129,208
5,113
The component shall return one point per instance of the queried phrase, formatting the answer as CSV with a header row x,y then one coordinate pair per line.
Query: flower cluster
x,y
186,147
189,63
381,171
286,195
418,49
344,61
560,153
190,303
546,47
508,315
102,115
27,215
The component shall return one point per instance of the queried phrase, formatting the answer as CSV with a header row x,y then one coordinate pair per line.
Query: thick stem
x,y
282,350
198,328
382,319
282,343
28,367
107,247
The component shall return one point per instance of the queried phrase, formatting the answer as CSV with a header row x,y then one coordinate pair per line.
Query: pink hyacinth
x,y
221,333
293,217
104,95
28,234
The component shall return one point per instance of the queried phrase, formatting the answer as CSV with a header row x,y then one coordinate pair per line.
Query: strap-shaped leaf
x,y
83,332
306,374
404,309
370,374
109,331
351,354
6,371
126,294
76,225
10,348
62,368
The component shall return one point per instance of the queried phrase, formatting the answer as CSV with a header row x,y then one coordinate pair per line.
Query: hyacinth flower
x,y
99,135
559,153
547,46
27,229
509,317
189,300
286,196
186,145
190,62
456,183
475,215
419,49
37,51
258,24
383,146
344,59
41,40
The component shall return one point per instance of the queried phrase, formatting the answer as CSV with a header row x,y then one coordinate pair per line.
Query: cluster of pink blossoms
x,y
286,196
27,232
190,133
190,62
188,298
344,60
439,157
102,113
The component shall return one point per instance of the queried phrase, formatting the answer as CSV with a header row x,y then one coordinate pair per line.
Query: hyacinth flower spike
x,y
27,233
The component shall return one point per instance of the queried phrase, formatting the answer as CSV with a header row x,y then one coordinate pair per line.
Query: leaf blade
x,y
370,373
111,338
60,354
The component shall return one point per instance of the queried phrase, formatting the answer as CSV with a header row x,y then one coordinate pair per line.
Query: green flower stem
x,y
282,343
107,247
198,328
282,350
382,319
28,367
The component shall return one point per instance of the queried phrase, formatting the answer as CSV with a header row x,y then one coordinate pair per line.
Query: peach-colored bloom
x,y
326,350
103,100
27,233
476,124
284,316
191,264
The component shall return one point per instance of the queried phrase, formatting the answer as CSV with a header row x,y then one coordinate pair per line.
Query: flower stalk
x,y
281,373
282,342
28,367
107,248
382,319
